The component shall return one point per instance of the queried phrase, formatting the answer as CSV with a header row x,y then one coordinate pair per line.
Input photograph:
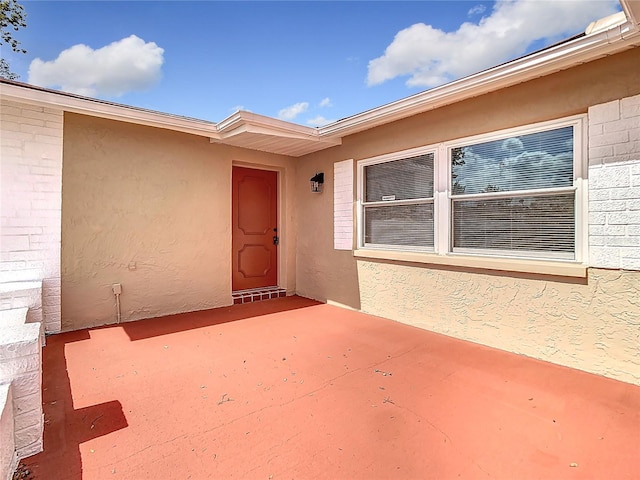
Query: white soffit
x,y
248,130
243,129
258,132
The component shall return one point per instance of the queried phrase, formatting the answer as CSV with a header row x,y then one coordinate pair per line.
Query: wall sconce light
x,y
317,181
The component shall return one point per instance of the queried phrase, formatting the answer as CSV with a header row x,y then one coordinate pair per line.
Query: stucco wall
x,y
322,273
590,325
150,209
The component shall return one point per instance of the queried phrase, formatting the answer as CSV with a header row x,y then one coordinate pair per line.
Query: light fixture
x,y
317,181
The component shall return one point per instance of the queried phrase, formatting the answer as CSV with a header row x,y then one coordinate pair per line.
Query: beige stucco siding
x,y
149,209
591,325
322,273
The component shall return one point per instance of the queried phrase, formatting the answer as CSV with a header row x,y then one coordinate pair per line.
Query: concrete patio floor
x,y
293,389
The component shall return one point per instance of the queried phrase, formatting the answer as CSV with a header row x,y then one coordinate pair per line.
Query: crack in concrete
x,y
443,433
184,435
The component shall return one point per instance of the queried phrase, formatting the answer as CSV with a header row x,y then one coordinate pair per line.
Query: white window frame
x,y
362,203
442,199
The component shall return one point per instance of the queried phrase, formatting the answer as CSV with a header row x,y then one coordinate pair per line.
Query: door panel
x,y
254,218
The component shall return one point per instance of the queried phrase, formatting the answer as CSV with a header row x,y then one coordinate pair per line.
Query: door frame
x,y
282,227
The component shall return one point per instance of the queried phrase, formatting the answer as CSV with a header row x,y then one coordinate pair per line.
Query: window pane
x,y
524,162
405,179
536,224
408,225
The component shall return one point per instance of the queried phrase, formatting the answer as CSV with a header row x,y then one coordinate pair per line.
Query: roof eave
x,y
87,106
259,132
250,118
245,127
561,57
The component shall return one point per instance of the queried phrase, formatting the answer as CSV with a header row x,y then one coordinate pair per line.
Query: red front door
x,y
254,235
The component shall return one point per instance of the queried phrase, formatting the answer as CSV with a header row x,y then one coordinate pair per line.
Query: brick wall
x,y
30,202
8,456
28,295
21,366
614,184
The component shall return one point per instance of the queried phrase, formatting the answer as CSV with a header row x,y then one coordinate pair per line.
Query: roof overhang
x,y
257,132
30,94
242,129
610,37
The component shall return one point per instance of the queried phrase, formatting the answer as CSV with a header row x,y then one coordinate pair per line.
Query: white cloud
x,y
125,65
289,113
512,145
477,10
326,102
319,121
518,163
432,57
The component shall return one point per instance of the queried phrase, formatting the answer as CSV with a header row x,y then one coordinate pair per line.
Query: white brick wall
x,y
614,184
21,365
25,296
30,200
8,457
343,205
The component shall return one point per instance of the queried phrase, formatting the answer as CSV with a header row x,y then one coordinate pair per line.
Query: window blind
x,y
398,202
518,220
524,162
408,178
407,225
523,224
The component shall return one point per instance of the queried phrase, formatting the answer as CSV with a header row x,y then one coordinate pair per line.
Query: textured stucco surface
x,y
322,273
594,326
150,209
327,274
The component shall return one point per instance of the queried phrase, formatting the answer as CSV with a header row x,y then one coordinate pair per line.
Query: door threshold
x,y
257,294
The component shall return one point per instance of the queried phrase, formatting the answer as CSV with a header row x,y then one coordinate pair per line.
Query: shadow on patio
x,y
290,388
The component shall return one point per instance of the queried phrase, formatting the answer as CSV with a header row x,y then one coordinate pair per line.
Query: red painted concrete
x,y
289,388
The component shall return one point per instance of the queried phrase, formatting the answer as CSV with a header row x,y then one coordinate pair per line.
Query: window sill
x,y
541,267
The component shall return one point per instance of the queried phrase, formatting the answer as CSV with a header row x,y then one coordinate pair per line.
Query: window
x,y
398,202
515,193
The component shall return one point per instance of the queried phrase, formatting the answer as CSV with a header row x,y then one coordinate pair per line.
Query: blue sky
x,y
306,62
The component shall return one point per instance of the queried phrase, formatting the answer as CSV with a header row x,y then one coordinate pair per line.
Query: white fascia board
x,y
97,108
248,122
566,55
255,122
236,124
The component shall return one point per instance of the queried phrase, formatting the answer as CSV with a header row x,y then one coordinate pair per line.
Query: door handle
x,y
276,240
